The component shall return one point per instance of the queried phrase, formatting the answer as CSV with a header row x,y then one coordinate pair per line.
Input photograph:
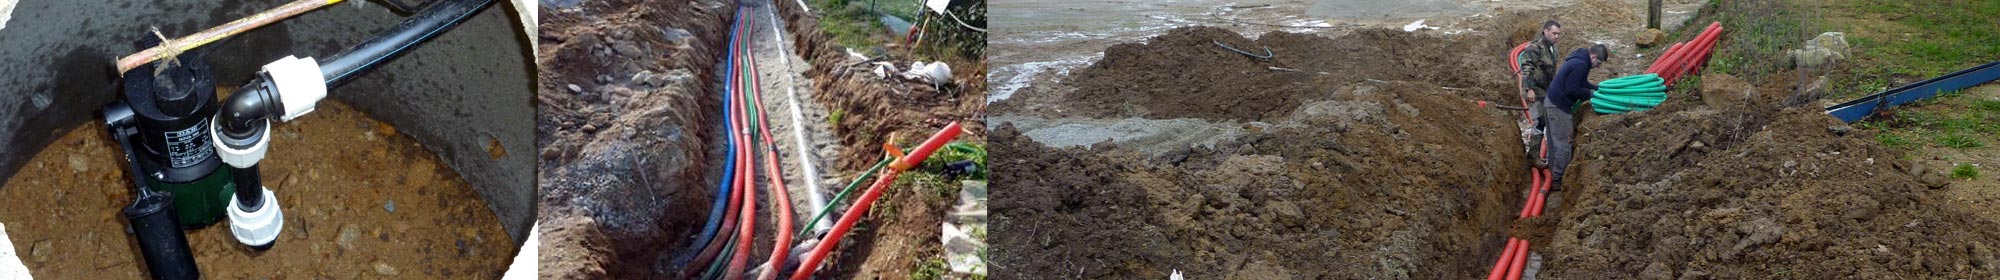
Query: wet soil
x,y
626,128
1185,74
1388,173
1400,182
1755,189
360,199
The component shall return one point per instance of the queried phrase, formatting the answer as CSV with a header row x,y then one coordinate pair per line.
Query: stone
x,y
1825,49
348,233
42,250
77,164
1650,38
1720,91
1657,271
385,269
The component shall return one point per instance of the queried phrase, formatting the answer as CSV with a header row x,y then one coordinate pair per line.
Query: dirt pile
x,y
626,120
1755,190
1386,180
1186,73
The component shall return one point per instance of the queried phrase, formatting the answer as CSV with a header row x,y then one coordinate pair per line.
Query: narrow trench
x,y
803,140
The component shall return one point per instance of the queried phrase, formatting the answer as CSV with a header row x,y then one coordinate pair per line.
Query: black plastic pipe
x,y
428,23
161,242
256,101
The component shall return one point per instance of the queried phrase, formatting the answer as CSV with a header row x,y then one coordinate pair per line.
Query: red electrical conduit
x,y
1514,255
779,194
1684,61
860,206
748,233
1707,46
1673,71
711,250
1663,56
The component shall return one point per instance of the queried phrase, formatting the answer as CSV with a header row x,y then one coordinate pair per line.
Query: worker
x,y
1569,87
1538,65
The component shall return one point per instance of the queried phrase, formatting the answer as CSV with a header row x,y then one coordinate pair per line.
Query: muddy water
x,y
1037,41
360,200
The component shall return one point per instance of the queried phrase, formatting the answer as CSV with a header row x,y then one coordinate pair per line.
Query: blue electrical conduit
x,y
729,167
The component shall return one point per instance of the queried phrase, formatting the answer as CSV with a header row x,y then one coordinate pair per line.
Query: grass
x,y
1956,140
935,268
1757,34
1910,40
852,23
1892,140
1965,171
857,24
934,177
833,119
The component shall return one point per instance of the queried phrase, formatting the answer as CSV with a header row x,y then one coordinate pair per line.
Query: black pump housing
x,y
173,102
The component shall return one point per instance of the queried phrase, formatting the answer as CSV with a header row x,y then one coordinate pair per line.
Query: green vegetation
x,y
1892,140
1961,141
1757,34
935,268
833,118
858,24
1911,40
1965,171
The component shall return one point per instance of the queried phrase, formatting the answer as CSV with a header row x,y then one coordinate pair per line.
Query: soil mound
x,y
1755,190
1390,180
1188,73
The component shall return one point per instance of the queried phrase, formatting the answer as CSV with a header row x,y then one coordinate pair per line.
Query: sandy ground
x,y
361,200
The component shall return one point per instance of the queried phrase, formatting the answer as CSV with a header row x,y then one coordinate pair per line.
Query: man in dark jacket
x,y
1538,65
1570,86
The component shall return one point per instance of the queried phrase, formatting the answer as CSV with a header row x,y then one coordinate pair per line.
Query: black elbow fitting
x,y
243,115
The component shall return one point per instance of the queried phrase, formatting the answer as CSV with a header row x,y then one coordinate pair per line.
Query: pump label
x,y
188,147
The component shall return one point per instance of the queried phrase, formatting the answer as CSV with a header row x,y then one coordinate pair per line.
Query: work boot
x,y
1555,185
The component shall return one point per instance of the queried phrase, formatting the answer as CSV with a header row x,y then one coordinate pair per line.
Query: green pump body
x,y
172,104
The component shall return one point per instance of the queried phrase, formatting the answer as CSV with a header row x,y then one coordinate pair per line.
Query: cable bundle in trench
x,y
1629,94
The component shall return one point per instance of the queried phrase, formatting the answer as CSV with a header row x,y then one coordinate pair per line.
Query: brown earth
x,y
336,174
1756,190
625,130
1185,74
1356,178
1698,188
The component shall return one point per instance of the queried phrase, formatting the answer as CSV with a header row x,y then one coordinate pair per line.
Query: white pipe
x,y
814,199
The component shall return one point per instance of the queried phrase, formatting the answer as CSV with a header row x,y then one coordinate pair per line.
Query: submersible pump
x,y
194,159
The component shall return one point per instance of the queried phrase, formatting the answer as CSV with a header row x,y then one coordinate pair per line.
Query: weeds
x,y
1957,140
934,268
833,119
1965,171
1892,140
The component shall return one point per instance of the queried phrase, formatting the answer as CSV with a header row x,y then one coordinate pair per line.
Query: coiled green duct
x,y
1629,94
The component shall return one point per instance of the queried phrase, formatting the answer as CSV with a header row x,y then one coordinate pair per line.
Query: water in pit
x,y
360,201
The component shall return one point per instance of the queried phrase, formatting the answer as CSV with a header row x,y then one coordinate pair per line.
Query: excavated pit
x,y
1358,156
404,172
